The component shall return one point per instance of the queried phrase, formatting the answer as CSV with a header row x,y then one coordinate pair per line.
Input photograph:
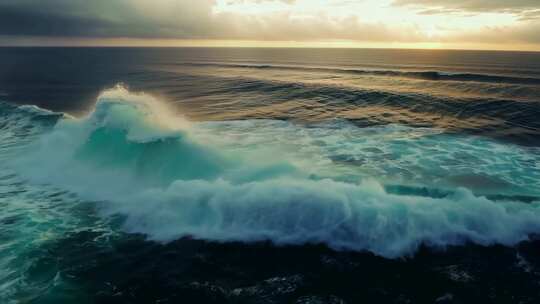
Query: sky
x,y
449,24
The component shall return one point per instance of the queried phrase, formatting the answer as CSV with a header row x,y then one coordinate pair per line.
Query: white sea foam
x,y
291,184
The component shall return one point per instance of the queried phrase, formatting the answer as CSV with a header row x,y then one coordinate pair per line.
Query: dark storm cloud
x,y
21,21
106,18
179,19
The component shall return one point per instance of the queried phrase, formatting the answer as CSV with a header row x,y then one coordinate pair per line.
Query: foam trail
x,y
220,181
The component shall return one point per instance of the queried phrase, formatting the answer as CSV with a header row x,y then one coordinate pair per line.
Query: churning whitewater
x,y
384,189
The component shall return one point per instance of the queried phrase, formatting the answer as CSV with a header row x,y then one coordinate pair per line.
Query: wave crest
x,y
170,181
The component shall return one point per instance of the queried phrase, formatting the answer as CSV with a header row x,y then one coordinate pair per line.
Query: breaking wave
x,y
386,189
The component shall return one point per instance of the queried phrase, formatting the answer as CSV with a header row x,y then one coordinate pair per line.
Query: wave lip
x,y
170,180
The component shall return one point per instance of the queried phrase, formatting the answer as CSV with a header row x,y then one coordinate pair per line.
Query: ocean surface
x,y
238,175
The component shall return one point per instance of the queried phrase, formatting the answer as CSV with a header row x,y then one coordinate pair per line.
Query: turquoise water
x,y
133,167
268,176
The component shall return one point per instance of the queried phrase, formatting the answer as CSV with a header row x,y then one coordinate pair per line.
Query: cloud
x,y
105,18
517,7
330,20
260,1
179,19
475,5
524,33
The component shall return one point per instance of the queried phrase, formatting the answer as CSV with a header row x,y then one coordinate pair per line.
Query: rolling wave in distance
x,y
424,75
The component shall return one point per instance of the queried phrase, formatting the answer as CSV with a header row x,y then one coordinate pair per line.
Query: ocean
x,y
267,175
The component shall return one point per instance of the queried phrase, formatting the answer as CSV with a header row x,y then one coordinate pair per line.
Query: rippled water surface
x,y
269,176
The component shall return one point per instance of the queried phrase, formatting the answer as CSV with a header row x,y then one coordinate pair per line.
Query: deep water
x,y
269,176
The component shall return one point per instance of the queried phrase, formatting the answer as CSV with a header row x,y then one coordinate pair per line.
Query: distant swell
x,y
424,75
269,180
372,106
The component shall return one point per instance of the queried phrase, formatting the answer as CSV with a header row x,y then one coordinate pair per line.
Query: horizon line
x,y
125,42
264,47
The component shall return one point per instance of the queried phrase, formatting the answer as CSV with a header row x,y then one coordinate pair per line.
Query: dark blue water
x,y
269,176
